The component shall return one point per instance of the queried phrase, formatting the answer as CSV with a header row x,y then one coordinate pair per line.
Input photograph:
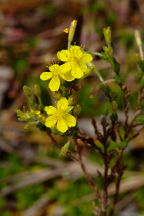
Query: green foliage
x,y
128,39
29,195
111,18
48,9
6,213
139,197
15,165
70,193
87,104
2,202
95,6
19,64
83,209
32,42
140,119
117,145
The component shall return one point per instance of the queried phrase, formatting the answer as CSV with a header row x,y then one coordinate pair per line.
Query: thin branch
x,y
97,132
87,175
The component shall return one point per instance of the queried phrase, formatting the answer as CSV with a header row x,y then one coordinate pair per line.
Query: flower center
x,y
60,113
74,60
55,72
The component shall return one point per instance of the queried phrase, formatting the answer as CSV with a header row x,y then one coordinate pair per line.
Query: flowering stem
x,y
108,81
99,76
105,179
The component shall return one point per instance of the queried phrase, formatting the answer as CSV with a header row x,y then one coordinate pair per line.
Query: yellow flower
x,y
59,116
55,74
54,83
75,61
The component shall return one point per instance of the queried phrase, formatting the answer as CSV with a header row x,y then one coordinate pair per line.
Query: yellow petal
x,y
51,121
89,70
86,57
83,67
53,67
67,76
66,30
50,110
61,125
45,75
54,84
70,120
63,55
65,67
62,104
77,52
76,71
74,47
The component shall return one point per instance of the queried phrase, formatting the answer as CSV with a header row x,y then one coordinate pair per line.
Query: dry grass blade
x,y
131,183
36,177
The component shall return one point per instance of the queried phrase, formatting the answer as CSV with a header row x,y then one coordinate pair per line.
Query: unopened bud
x,y
107,51
27,91
114,105
77,110
64,149
37,90
22,116
72,32
107,35
71,100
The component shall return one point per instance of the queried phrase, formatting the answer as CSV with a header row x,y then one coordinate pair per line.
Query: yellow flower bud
x,y
37,90
107,35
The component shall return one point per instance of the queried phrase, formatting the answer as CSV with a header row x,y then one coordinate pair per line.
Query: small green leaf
x,y
122,132
115,145
122,144
117,79
112,146
100,145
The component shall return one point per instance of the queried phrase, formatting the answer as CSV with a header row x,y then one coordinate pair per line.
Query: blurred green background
x,y
34,179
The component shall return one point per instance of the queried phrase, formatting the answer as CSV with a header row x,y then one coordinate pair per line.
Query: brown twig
x,y
87,175
106,182
97,132
90,141
126,105
120,169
